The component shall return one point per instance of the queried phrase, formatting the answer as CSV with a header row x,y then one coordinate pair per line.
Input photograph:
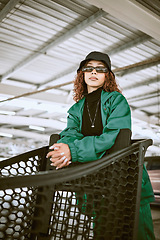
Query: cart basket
x,y
94,200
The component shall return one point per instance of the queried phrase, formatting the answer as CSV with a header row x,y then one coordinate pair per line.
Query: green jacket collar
x,y
77,108
80,104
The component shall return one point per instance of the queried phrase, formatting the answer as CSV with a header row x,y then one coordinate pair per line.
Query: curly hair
x,y
80,86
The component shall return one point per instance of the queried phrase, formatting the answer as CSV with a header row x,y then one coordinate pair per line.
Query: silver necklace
x,y
93,121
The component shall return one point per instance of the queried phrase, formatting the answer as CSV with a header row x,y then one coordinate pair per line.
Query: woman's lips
x,y
93,78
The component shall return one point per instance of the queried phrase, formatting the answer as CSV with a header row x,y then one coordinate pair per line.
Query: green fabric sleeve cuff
x,y
73,152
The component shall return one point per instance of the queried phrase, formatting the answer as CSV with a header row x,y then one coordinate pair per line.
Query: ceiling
x,y
41,45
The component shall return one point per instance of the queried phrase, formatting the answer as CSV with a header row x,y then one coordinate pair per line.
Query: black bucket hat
x,y
99,56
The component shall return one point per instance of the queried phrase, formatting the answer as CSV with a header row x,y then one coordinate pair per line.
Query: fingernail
x,y
57,168
69,162
55,148
51,147
51,164
62,153
50,159
65,160
63,157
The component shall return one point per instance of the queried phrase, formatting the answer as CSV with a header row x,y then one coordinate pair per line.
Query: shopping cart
x,y
95,200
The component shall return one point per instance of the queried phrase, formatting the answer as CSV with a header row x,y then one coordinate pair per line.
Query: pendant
x,y
92,126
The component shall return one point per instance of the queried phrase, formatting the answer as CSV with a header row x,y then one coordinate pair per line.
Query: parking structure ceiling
x,y
41,45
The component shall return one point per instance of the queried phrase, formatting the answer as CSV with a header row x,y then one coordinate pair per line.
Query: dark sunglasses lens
x,y
101,70
87,69
98,69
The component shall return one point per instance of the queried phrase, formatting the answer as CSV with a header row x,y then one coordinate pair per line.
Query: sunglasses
x,y
98,69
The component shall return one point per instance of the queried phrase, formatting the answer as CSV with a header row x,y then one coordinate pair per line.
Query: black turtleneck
x,y
92,99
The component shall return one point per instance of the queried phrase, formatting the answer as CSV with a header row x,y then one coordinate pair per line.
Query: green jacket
x,y
116,115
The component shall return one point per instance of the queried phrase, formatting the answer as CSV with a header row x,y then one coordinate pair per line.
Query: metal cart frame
x,y
95,200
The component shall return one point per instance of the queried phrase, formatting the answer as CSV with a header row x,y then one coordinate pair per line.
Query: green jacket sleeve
x,y
72,132
89,148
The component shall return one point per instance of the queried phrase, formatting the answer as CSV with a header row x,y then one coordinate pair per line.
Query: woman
x,y
94,122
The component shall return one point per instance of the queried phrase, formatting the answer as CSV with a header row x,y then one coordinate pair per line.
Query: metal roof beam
x,y
130,44
151,119
138,66
42,96
148,105
66,83
60,75
54,42
147,82
142,97
8,7
121,48
132,13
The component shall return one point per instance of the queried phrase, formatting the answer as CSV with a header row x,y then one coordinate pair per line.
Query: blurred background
x,y
41,45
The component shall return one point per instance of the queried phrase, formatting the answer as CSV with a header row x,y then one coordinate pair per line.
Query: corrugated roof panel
x,y
16,31
144,51
72,47
154,44
108,29
82,7
133,93
25,20
11,55
147,50
44,19
119,26
96,35
32,25
144,104
85,42
153,5
67,54
29,27
47,68
50,9
141,76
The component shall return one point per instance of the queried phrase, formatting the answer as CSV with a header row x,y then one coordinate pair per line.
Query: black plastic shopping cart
x,y
96,200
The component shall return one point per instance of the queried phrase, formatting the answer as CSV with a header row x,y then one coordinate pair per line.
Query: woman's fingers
x,y
55,146
56,162
62,162
60,156
54,154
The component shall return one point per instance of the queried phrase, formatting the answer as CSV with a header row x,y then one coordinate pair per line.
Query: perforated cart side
x,y
96,200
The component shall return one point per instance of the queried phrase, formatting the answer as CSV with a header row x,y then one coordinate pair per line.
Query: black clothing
x,y
92,99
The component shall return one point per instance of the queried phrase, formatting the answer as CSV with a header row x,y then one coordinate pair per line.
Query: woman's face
x,y
94,80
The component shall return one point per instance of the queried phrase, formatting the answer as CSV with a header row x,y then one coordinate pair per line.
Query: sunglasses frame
x,y
98,69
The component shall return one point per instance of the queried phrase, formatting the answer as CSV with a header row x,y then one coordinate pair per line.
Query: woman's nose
x,y
94,71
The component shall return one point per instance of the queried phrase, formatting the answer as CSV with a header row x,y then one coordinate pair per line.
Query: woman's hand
x,y
61,155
